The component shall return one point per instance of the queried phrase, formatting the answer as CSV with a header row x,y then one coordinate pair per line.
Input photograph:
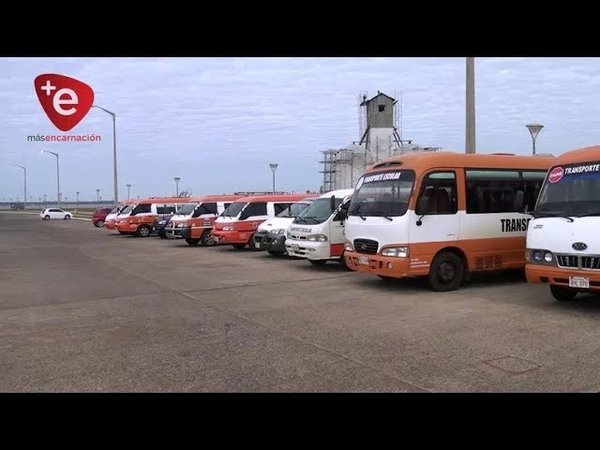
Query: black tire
x,y
447,272
162,234
562,294
318,262
46,217
238,246
207,239
192,242
252,244
67,217
99,223
143,231
275,252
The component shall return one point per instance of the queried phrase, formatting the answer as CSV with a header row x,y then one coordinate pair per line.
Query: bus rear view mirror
x,y
332,203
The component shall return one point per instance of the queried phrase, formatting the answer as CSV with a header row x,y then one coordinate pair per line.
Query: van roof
x,y
584,154
161,200
424,161
273,198
340,193
214,198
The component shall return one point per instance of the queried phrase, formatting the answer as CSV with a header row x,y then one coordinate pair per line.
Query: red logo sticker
x,y
65,100
556,175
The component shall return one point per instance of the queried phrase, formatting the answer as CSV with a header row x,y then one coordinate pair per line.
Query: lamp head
x,y
534,129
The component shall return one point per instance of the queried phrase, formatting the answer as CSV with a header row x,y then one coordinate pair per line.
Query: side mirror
x,y
332,203
422,206
342,214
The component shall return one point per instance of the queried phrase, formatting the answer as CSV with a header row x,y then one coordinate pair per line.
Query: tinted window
x,y
280,207
164,209
438,194
501,191
233,209
143,208
56,210
254,209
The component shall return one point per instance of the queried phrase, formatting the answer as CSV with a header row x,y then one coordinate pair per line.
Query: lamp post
x,y
114,119
177,180
57,176
97,195
273,167
24,185
77,199
128,190
534,130
470,107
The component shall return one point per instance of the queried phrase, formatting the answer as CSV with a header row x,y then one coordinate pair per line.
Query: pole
x,y
470,116
273,181
25,187
116,185
57,181
77,199
533,146
128,190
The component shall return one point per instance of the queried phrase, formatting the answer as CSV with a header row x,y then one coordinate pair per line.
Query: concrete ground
x,y
86,310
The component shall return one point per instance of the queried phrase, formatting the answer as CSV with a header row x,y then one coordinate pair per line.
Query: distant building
x,y
380,136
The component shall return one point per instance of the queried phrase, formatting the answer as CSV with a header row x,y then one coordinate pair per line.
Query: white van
x,y
317,234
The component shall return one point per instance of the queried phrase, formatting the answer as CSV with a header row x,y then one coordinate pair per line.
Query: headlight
x,y
548,257
537,256
348,246
316,237
288,235
397,252
277,231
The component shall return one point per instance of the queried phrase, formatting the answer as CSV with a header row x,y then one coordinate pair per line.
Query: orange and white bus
x,y
194,220
239,222
110,221
563,248
443,215
138,217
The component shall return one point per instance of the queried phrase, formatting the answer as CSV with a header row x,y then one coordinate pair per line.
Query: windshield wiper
x,y
536,215
388,218
355,211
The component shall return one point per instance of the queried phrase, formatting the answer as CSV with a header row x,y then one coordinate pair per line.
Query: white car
x,y
55,213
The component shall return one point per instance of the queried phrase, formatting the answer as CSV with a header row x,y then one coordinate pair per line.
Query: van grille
x,y
366,246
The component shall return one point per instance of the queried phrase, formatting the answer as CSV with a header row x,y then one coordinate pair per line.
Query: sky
x,y
218,122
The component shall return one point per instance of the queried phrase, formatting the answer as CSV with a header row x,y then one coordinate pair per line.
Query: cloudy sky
x,y
218,122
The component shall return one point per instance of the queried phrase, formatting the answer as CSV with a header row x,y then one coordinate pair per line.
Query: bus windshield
x,y
570,190
318,211
234,209
384,194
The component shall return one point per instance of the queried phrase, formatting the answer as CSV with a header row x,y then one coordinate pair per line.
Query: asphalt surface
x,y
87,310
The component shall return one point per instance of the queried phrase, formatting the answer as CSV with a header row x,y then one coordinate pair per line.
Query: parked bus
x,y
138,217
194,220
271,234
563,248
317,234
443,215
239,222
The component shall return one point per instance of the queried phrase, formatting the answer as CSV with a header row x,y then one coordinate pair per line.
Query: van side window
x,y
280,207
501,191
164,209
439,188
254,209
143,208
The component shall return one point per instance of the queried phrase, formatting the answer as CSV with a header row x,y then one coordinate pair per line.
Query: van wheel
x,y
143,231
238,246
447,272
192,242
46,217
99,223
67,217
207,239
562,294
318,262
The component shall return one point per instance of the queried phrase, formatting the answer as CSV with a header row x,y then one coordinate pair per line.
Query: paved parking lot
x,y
86,310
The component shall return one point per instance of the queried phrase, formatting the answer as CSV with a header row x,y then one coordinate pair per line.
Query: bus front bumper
x,y
386,266
560,276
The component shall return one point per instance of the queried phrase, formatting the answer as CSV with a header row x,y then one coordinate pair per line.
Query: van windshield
x,y
570,190
186,209
383,194
318,211
234,209
127,209
293,210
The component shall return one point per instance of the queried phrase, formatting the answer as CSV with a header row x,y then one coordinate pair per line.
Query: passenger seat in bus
x,y
441,202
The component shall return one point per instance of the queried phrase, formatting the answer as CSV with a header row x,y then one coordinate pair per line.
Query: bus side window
x,y
440,189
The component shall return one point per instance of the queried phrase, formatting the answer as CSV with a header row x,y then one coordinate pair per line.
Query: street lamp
x,y
57,176
128,190
470,107
273,167
24,185
97,195
77,199
177,180
534,130
114,118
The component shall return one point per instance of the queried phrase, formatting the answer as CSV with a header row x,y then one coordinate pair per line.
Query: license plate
x,y
579,282
363,260
295,247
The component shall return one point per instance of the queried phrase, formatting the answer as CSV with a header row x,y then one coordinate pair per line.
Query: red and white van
x,y
110,222
138,218
239,222
194,220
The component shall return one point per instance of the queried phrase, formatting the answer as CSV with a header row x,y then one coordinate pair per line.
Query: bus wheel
x,y
143,231
562,294
238,246
447,272
192,242
317,262
207,239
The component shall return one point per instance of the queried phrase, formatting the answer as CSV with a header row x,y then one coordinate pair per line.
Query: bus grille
x,y
366,246
591,262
